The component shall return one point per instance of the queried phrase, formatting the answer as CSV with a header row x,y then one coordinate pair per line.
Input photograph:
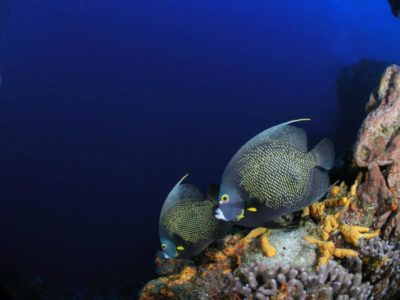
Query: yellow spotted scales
x,y
184,216
259,168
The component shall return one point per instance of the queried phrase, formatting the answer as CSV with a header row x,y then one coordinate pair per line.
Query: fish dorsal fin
x,y
181,180
282,132
181,191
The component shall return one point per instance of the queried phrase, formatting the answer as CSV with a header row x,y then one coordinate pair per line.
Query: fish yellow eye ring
x,y
224,198
180,248
163,246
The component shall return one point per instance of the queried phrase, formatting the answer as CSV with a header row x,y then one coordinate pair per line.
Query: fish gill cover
x,y
104,105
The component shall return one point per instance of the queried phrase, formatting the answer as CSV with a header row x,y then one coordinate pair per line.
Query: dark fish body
x,y
274,174
187,220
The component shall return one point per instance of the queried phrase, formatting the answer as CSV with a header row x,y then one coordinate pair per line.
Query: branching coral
x,y
382,265
339,198
328,250
260,281
330,223
353,234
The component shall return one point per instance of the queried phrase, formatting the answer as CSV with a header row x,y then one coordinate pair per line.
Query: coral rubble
x,y
346,246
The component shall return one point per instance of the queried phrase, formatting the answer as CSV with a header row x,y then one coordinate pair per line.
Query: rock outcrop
x,y
378,149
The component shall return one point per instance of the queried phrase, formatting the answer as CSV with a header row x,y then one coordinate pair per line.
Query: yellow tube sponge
x,y
255,233
335,190
328,250
352,234
266,247
353,189
306,212
341,252
317,210
330,224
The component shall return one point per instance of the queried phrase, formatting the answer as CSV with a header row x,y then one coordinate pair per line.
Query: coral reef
x,y
345,246
378,149
260,281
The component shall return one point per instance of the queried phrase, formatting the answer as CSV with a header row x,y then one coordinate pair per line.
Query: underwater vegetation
x,y
345,246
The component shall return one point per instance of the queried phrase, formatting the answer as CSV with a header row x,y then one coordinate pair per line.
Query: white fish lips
x,y
220,215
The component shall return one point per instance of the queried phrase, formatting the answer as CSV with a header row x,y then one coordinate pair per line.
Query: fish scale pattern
x,y
277,174
185,216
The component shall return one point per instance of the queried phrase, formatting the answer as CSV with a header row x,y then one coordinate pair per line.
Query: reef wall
x,y
378,149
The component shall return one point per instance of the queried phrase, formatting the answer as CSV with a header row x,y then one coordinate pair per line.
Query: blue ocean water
x,y
104,105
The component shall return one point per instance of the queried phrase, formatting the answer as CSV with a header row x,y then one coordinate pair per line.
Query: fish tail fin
x,y
324,154
319,185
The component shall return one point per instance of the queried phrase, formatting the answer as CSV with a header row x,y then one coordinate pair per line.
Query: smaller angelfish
x,y
187,224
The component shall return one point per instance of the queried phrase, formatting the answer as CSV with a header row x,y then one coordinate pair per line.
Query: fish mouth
x,y
220,215
166,255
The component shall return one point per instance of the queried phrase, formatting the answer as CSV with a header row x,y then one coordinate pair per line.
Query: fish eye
x,y
180,248
224,198
163,246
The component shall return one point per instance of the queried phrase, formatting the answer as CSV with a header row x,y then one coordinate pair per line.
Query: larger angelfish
x,y
187,223
274,174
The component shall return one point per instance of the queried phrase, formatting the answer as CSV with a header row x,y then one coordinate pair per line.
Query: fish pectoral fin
x,y
252,209
240,216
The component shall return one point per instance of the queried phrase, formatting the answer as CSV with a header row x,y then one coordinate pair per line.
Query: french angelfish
x,y
274,174
187,224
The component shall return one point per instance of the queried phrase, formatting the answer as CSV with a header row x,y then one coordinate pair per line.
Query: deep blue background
x,y
106,104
